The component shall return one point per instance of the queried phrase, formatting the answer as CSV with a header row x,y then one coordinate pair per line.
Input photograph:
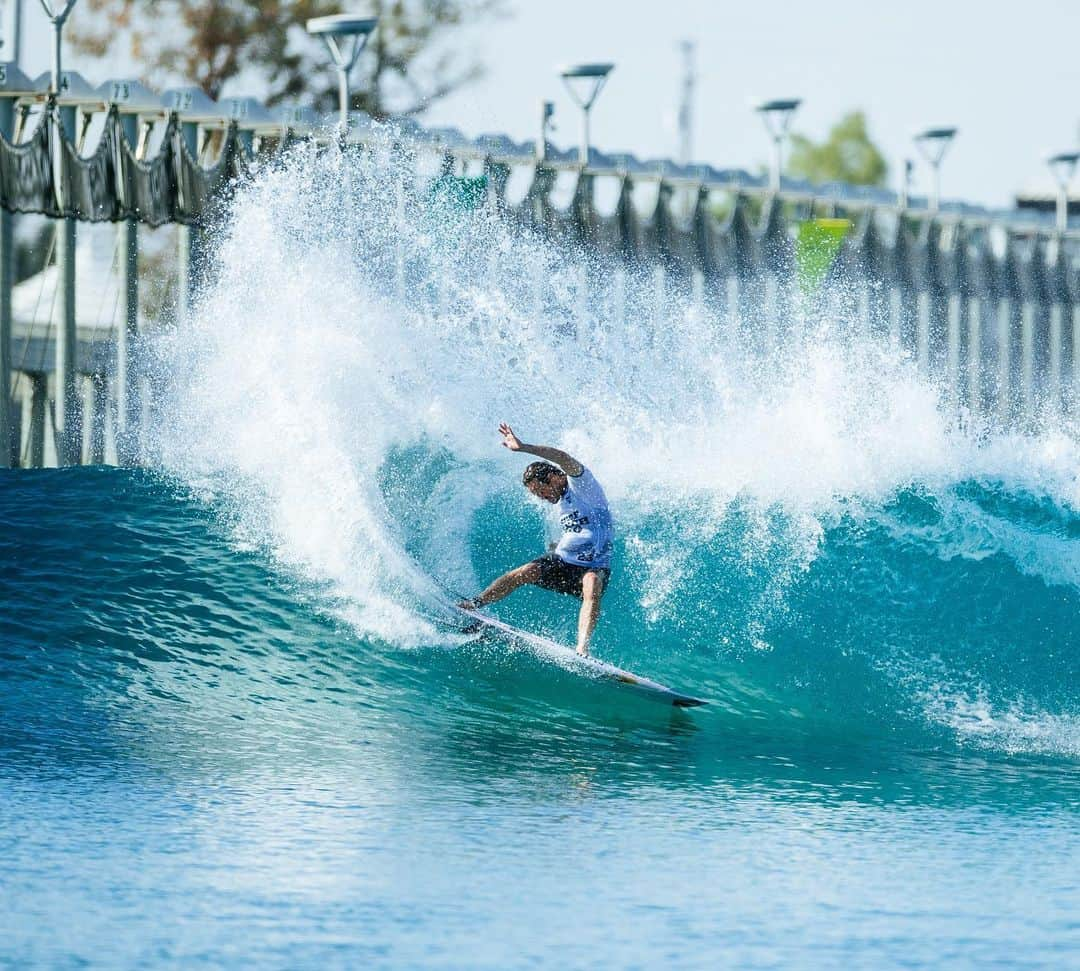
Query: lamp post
x,y
67,417
547,113
907,169
57,16
13,85
13,51
932,144
345,37
584,82
1063,168
777,115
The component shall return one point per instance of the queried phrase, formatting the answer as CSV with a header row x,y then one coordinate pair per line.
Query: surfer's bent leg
x,y
505,585
592,589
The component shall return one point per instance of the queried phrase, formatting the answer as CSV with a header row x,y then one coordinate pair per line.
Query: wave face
x,y
929,620
247,645
802,528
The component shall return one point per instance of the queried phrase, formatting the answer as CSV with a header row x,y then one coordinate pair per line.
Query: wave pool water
x,y
235,732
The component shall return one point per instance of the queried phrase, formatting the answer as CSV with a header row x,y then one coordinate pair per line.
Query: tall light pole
x,y
57,15
345,37
1063,168
13,84
932,144
68,418
777,115
584,82
12,48
547,113
907,168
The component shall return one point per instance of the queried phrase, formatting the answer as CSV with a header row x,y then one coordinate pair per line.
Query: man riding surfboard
x,y
580,564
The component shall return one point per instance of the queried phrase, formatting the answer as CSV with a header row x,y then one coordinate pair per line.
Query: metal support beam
x,y
922,332
190,258
68,419
7,443
188,241
1054,384
7,280
1004,358
975,356
99,418
39,402
127,384
954,346
1026,375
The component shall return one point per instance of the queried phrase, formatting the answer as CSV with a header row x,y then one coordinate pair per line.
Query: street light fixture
x,y
1063,168
584,82
345,37
777,115
932,144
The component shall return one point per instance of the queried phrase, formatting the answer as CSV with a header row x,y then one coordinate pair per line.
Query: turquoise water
x,y
234,732
201,764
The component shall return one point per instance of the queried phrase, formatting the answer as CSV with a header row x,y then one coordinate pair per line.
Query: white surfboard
x,y
568,658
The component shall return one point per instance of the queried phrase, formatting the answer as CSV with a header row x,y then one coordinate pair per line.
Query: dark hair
x,y
541,471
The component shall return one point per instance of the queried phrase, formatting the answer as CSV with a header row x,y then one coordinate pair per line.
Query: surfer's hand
x,y
510,440
471,604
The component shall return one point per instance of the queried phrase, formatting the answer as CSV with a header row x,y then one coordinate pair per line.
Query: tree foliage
x,y
410,62
846,155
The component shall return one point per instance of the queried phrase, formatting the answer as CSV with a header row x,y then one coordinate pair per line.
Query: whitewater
x,y
236,727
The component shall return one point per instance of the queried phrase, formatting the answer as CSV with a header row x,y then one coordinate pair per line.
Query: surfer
x,y
580,563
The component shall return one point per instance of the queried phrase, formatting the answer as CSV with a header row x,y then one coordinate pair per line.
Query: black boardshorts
x,y
562,577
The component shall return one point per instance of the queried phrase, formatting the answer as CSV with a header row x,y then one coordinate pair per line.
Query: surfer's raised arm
x,y
570,465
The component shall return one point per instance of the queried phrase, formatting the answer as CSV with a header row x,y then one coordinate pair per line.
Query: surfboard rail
x,y
564,655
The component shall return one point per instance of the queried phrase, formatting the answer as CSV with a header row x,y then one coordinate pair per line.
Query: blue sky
x,y
1006,74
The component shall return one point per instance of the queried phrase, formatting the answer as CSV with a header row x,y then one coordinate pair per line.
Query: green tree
x,y
846,155
410,62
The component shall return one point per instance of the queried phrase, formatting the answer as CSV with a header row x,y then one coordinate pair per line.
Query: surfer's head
x,y
545,481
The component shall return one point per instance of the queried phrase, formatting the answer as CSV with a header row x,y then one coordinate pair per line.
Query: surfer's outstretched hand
x,y
510,440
